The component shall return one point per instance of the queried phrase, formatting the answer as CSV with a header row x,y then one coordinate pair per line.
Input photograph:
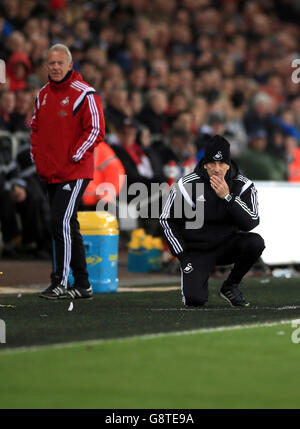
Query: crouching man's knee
x,y
255,244
193,301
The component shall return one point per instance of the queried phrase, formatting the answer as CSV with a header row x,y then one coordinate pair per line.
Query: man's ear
x,y
205,166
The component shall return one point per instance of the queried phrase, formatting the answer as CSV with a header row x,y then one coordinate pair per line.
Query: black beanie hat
x,y
217,149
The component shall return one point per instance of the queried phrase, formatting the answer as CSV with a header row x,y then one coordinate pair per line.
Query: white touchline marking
x,y
287,307
143,337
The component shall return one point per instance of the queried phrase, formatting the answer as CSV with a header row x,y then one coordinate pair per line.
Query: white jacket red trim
x,y
68,123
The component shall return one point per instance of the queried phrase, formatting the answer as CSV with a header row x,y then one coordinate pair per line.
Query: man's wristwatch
x,y
228,197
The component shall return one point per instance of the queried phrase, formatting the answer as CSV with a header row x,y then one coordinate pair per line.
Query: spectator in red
x,y
293,152
18,67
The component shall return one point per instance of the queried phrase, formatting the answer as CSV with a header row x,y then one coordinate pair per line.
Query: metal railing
x,y
18,140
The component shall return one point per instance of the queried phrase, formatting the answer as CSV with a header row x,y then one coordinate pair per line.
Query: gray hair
x,y
61,47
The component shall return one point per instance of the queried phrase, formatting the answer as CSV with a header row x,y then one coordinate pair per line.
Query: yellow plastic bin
x,y
100,233
144,254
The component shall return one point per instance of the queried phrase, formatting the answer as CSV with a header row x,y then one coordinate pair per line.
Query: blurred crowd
x,y
169,73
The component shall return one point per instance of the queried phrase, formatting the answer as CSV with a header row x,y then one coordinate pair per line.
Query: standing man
x,y
67,125
230,211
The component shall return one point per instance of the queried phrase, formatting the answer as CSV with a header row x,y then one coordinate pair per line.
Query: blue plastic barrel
x,y
100,235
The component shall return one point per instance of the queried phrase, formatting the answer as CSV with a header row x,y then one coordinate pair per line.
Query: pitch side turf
x,y
147,351
36,321
239,368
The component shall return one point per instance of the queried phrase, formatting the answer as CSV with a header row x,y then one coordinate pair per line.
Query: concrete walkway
x,y
31,276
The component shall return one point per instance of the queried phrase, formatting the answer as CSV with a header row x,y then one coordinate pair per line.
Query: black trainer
x,y
79,292
233,295
54,292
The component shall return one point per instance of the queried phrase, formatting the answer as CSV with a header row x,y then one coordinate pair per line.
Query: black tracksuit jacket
x,y
222,219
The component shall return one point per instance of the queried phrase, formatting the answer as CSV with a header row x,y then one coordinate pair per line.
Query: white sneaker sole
x,y
53,298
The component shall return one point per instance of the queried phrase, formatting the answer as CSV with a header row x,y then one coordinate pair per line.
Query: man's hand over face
x,y
219,186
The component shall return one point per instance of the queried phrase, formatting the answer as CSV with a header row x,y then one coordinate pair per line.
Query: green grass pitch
x,y
144,350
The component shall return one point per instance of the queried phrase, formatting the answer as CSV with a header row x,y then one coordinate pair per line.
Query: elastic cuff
x,y
229,203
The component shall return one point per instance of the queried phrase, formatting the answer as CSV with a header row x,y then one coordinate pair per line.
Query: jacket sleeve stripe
x,y
79,102
246,186
163,220
95,123
86,91
189,178
185,194
93,135
242,178
83,87
254,201
253,213
79,99
95,129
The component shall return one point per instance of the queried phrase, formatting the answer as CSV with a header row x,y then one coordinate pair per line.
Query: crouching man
x,y
228,202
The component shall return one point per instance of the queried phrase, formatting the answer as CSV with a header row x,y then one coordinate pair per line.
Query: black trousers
x,y
242,250
8,220
35,221
68,248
